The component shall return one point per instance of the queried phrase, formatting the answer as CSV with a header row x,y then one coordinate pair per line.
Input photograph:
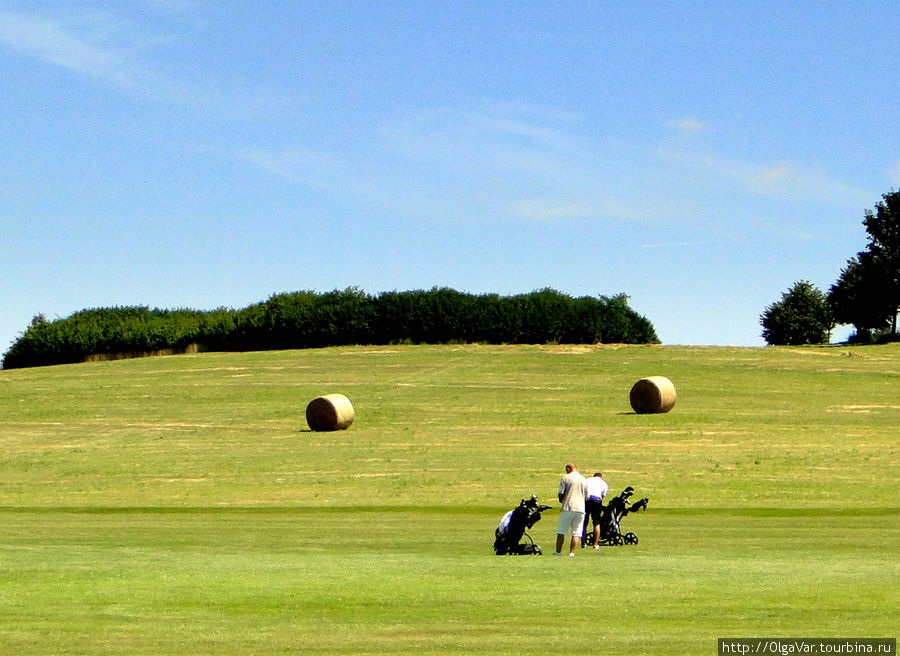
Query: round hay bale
x,y
653,394
329,412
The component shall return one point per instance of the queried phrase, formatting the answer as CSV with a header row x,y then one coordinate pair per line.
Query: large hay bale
x,y
653,394
329,412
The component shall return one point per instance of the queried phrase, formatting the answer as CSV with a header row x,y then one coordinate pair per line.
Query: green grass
x,y
179,505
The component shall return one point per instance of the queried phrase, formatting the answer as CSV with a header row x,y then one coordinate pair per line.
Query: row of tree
x,y
866,295
308,319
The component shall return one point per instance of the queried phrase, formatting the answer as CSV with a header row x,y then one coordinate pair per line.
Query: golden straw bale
x,y
329,412
653,394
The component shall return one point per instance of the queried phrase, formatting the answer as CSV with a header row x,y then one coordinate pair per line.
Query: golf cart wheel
x,y
618,540
631,538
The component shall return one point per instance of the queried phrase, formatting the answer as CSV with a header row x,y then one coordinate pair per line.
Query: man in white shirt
x,y
593,505
572,494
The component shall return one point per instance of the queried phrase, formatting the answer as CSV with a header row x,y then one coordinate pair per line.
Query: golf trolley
x,y
511,530
612,514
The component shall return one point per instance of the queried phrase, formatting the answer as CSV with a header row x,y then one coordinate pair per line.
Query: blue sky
x,y
699,157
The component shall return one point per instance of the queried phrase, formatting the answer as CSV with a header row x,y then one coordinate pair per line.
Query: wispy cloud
x,y
895,174
500,162
701,163
687,125
554,210
48,41
783,181
170,6
681,244
505,162
120,53
311,168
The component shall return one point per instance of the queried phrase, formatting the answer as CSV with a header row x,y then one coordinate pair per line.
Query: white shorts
x,y
570,522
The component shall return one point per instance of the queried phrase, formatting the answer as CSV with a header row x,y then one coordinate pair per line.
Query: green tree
x,y
857,298
867,292
800,317
883,227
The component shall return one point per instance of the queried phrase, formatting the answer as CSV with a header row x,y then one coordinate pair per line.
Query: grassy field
x,y
179,505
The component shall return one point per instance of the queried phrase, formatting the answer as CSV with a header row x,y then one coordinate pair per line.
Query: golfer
x,y
593,505
572,493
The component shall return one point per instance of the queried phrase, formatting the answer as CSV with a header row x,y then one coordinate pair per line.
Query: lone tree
x,y
867,293
800,317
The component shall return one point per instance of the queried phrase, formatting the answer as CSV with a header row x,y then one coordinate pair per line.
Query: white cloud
x,y
777,172
50,42
96,45
481,142
493,163
314,169
681,244
501,162
781,181
687,126
513,162
553,209
169,6
121,54
895,174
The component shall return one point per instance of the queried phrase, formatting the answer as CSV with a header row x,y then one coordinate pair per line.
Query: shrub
x,y
307,319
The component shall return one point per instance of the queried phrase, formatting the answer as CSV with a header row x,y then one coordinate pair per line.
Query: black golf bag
x,y
618,507
512,527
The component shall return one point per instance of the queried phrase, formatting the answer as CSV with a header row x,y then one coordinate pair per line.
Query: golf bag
x,y
618,507
512,527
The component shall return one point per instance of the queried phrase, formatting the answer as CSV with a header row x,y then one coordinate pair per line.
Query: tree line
x,y
866,294
308,319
